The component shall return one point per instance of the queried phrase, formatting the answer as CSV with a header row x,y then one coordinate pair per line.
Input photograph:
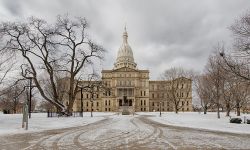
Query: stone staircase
x,y
126,110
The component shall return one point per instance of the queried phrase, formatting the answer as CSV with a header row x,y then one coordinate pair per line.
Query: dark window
x,y
87,104
105,102
87,95
141,109
105,109
130,102
144,102
120,102
109,102
87,110
153,104
182,103
141,102
187,109
141,93
187,103
97,104
109,109
144,93
153,95
144,109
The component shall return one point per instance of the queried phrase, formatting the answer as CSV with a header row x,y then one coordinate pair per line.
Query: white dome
x,y
125,56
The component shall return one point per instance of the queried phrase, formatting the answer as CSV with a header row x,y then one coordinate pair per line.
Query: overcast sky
x,y
162,33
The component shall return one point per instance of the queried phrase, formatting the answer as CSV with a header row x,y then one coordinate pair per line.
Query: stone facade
x,y
131,87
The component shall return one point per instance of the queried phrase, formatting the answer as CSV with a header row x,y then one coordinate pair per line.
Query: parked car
x,y
235,120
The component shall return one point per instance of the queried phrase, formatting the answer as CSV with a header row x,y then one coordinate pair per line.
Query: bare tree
x,y
216,74
13,97
239,59
203,89
50,49
178,77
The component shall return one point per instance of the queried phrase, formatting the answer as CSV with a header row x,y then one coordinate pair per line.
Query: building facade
x,y
129,86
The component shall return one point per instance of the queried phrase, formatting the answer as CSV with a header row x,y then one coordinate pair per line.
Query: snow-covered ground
x,y
12,123
200,121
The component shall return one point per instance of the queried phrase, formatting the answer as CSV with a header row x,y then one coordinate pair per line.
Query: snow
x,y
12,123
201,121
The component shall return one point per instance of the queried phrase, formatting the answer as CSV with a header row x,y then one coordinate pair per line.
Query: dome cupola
x,y
125,56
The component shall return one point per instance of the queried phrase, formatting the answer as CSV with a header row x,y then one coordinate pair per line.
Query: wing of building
x,y
126,85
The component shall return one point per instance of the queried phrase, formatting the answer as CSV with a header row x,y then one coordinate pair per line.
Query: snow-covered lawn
x,y
12,123
201,121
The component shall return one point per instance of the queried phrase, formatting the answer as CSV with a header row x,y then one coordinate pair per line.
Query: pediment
x,y
125,69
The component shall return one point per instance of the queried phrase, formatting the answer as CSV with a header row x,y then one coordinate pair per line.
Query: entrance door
x,y
120,102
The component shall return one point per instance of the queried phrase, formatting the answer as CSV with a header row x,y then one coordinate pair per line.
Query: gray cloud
x,y
162,33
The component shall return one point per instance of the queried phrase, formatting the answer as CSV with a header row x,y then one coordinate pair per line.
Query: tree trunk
x,y
218,111
238,109
176,110
227,110
205,110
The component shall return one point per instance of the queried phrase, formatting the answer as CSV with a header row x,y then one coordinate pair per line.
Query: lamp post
x,y
81,103
92,98
30,87
160,109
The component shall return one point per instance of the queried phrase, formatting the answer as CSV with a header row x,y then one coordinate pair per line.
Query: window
x,y
153,95
187,103
181,94
144,102
141,93
182,85
97,104
106,102
187,94
144,109
109,109
109,102
87,104
153,104
141,102
141,109
87,95
144,93
182,103
106,109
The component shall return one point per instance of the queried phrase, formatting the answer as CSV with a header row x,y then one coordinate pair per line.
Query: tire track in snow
x,y
102,143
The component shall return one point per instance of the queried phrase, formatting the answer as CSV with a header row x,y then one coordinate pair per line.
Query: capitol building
x,y
129,86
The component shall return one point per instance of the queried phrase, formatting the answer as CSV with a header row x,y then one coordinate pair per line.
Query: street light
x,y
160,109
81,103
